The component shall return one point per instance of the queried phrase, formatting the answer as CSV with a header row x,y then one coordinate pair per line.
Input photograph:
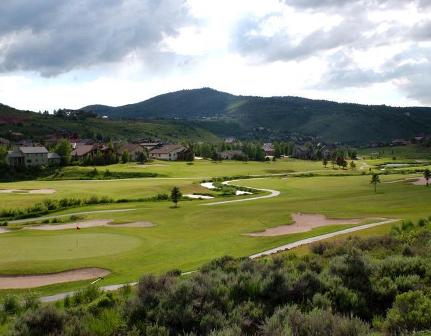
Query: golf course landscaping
x,y
287,194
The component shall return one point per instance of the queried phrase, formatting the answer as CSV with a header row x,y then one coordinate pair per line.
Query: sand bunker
x,y
32,281
27,191
241,192
198,196
88,224
2,230
208,185
303,223
421,181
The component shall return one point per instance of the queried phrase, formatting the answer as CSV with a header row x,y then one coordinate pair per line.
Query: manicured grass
x,y
194,233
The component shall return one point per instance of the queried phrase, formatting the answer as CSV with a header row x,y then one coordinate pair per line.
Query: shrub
x,y
43,321
410,312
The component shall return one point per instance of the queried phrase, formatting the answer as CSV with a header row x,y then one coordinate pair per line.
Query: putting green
x,y
64,246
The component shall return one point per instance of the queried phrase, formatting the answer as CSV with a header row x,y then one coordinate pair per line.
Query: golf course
x,y
290,200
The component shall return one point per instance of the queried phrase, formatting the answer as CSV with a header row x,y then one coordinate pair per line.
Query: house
x,y
232,155
269,149
4,142
54,159
399,142
172,153
150,145
28,157
134,150
83,151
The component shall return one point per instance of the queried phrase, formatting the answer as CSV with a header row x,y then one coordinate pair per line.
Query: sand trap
x,y
88,224
421,181
303,223
198,196
208,185
2,230
27,191
133,224
240,192
32,281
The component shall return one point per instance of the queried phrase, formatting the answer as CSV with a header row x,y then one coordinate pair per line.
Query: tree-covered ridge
x,y
40,126
378,285
280,116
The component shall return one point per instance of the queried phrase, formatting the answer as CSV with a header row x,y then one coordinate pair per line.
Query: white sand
x,y
198,196
208,185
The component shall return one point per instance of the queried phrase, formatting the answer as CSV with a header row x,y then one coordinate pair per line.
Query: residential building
x,y
232,155
54,159
172,153
134,150
83,151
28,157
269,149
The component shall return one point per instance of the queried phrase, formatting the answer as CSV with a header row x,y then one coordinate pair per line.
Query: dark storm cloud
x,y
51,36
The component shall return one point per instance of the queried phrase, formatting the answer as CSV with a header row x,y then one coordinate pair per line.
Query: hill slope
x,y
280,116
39,126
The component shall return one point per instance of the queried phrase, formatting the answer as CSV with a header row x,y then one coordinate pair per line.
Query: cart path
x,y
321,237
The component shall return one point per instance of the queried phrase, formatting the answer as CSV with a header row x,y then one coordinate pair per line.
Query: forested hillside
x,y
280,116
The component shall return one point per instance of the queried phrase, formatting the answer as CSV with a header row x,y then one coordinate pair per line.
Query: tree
x,y
142,157
125,156
427,175
64,149
374,180
352,165
176,195
325,162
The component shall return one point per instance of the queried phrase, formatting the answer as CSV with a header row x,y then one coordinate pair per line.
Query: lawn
x,y
194,233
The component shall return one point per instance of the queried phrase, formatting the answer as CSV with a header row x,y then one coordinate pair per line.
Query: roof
x,y
130,148
14,154
166,149
33,150
82,150
53,156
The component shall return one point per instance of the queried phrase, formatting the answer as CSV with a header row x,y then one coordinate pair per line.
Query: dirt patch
x,y
89,224
303,223
27,191
421,181
39,280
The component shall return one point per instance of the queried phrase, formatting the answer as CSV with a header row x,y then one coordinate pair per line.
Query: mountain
x,y
278,116
38,127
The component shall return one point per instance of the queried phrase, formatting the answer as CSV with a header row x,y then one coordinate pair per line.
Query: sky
x,y
72,53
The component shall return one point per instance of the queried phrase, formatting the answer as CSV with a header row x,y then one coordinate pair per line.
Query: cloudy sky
x,y
72,53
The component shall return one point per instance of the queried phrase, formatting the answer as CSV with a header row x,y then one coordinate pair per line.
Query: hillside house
x,y
172,153
82,152
27,157
269,149
54,159
134,151
232,155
